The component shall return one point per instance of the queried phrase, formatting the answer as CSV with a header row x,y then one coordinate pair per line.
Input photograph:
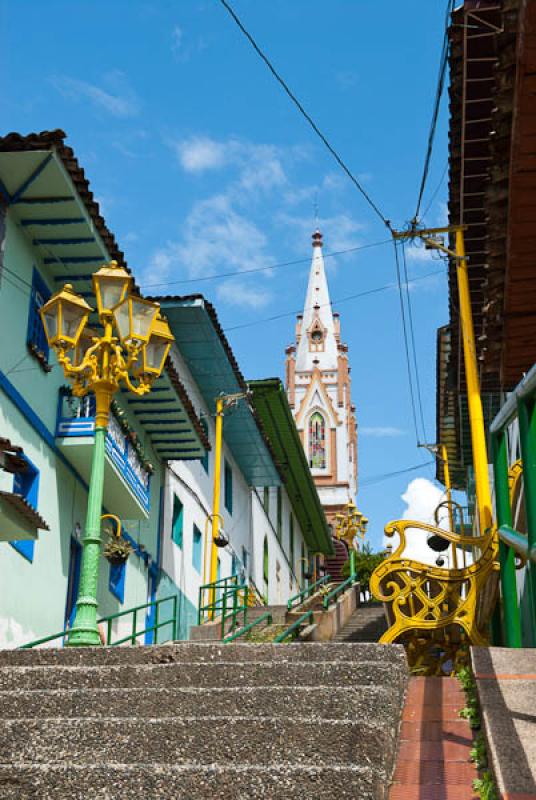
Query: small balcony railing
x,y
76,418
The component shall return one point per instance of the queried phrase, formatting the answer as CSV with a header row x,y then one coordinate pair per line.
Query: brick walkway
x,y
433,759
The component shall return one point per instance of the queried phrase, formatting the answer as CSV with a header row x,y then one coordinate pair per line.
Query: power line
x,y
434,194
264,269
386,475
413,346
406,343
331,303
304,113
437,104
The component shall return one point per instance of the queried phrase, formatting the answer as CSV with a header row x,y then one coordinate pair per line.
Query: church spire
x,y
317,345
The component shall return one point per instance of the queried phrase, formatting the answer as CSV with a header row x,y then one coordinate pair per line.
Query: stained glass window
x,y
317,441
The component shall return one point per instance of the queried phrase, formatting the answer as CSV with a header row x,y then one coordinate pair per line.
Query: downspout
x,y
155,574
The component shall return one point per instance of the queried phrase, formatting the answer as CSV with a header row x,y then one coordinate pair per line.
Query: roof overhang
x,y
271,404
48,194
213,366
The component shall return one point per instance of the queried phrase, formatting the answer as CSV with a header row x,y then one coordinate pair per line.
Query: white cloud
x,y
419,253
340,231
421,498
381,431
215,238
118,99
200,153
240,294
259,165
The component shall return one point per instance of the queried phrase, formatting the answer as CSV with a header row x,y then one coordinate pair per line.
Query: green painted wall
x,y
186,611
33,597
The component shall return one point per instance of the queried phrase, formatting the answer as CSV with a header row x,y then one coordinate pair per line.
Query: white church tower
x,y
318,388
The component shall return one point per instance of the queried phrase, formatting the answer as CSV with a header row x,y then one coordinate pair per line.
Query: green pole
x,y
85,631
527,436
352,561
512,624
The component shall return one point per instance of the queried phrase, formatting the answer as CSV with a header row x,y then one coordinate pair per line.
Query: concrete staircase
x,y
199,721
366,624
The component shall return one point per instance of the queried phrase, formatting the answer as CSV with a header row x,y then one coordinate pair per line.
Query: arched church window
x,y
317,441
317,340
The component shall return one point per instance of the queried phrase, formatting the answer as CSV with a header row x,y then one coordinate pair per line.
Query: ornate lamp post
x,y
349,526
99,364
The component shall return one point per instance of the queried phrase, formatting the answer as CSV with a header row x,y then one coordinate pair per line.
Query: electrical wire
x,y
304,113
264,269
406,342
435,193
413,346
377,289
386,475
437,104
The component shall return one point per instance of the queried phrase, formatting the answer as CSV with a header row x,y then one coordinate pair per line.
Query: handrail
x,y
305,593
293,627
266,616
132,637
218,606
517,542
508,410
329,598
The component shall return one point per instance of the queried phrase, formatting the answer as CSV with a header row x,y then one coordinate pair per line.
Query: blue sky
x,y
202,166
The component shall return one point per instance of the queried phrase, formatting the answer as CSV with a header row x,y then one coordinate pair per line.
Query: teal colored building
x,y
51,232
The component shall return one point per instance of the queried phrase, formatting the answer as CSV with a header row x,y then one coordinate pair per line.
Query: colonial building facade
x,y
318,387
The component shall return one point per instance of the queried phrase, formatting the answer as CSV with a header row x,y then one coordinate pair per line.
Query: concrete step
x,y
108,781
187,674
324,702
203,652
195,740
506,683
366,624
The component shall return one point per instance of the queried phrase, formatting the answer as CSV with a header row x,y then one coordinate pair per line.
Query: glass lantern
x,y
134,318
110,284
156,350
64,317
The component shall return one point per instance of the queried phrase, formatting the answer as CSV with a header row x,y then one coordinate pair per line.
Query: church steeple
x,y
317,343
318,387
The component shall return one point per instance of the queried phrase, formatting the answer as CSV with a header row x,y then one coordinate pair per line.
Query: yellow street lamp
x,y
99,364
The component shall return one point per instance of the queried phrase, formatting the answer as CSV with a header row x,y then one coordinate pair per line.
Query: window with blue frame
x,y
116,581
26,483
204,460
36,338
228,487
197,549
177,523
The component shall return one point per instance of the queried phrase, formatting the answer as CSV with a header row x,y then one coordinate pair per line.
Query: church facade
x,y
319,393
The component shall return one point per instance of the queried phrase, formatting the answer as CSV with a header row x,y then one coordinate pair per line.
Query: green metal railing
x,y
307,592
294,627
521,403
227,600
340,589
266,617
134,631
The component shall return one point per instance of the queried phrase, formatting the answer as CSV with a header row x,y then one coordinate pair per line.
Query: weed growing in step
x,y
485,785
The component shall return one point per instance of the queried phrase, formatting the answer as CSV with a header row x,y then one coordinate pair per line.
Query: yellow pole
x,y
476,416
446,475
216,500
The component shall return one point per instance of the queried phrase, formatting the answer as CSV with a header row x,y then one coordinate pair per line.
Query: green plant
x,y
479,755
117,549
485,786
365,563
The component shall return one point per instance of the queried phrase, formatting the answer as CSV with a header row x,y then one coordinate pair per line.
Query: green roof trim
x,y
269,400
